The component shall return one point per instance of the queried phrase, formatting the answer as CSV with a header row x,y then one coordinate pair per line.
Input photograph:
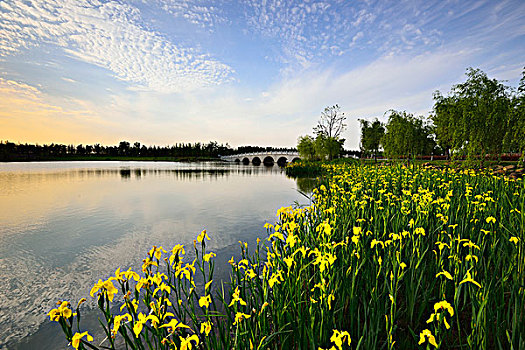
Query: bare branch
x,y
331,123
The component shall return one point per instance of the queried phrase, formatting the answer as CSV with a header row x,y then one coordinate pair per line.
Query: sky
x,y
253,72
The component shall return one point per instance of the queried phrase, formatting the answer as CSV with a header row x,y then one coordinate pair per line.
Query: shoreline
x,y
111,159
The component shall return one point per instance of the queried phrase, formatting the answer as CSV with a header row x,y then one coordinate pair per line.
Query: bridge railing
x,y
261,154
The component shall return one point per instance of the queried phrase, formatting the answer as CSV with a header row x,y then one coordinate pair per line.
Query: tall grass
x,y
386,257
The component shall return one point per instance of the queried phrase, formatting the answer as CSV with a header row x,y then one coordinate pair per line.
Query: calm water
x,y
65,224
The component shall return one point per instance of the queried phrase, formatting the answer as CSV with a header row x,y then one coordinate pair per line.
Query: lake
x,y
63,225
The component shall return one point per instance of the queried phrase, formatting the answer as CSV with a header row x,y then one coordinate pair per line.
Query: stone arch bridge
x,y
267,158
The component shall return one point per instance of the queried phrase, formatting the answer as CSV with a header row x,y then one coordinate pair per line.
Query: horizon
x,y
243,73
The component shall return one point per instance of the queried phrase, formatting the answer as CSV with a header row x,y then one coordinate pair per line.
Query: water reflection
x,y
64,225
306,184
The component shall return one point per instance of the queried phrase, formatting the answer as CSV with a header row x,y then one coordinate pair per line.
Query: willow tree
x,y
306,147
447,128
514,139
371,136
407,136
474,115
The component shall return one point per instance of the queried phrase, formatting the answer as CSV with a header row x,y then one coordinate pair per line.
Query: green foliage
x,y
306,147
514,140
444,119
479,117
407,136
304,168
371,136
327,147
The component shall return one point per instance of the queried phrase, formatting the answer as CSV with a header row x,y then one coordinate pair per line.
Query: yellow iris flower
x,y
446,274
338,338
203,235
206,327
205,301
289,261
163,287
77,337
186,343
239,316
62,311
469,279
490,219
442,305
207,285
427,334
208,256
173,324
236,298
157,252
118,320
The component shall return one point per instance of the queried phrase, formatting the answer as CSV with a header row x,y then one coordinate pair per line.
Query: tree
x,y
474,116
81,150
331,123
371,136
514,139
327,143
407,135
123,148
327,147
446,124
306,148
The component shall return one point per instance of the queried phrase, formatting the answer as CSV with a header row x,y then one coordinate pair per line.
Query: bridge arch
x,y
268,160
296,159
247,158
282,161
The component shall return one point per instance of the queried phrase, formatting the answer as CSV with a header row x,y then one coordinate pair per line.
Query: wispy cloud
x,y
291,107
69,80
304,30
368,56
203,13
318,31
29,115
109,35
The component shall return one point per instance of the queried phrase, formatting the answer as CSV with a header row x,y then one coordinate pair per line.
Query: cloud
x,y
356,37
205,14
305,31
292,106
178,94
312,33
29,115
109,35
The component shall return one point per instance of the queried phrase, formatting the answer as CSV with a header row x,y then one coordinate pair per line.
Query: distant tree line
x,y
479,117
10,151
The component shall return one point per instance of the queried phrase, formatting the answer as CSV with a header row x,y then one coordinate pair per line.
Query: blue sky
x,y
243,72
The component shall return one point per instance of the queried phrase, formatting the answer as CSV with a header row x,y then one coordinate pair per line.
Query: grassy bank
x,y
386,257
